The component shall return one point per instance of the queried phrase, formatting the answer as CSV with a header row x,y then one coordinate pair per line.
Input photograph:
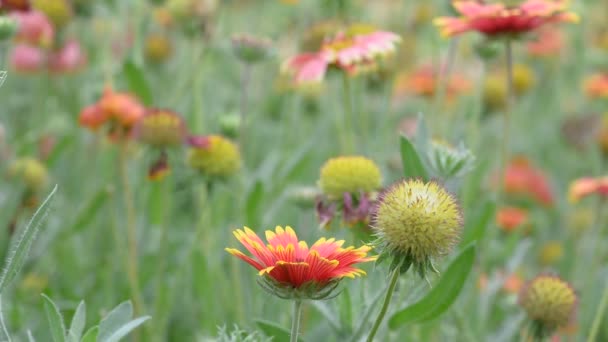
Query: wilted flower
x,y
550,253
160,128
349,174
353,51
587,186
120,111
31,172
511,218
548,43
291,270
416,222
251,49
550,304
27,59
158,48
582,130
58,11
498,19
214,156
596,86
522,178
34,28
424,81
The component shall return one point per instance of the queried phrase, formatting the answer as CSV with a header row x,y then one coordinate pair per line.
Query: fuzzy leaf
x,y
55,320
4,335
90,335
277,332
118,317
477,228
254,199
137,82
412,164
19,251
442,296
78,322
124,330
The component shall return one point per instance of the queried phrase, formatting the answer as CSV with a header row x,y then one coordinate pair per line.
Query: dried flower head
x,y
290,269
549,302
350,174
31,172
251,49
160,128
416,222
218,157
499,19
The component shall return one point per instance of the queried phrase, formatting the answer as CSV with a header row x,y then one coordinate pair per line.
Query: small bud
x,y
219,158
230,124
158,48
31,172
451,162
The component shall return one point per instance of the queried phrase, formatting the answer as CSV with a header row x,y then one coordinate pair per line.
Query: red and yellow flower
x,y
587,186
498,19
523,178
290,269
596,86
510,218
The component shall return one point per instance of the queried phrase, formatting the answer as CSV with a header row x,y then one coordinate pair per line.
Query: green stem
x,y
507,115
598,316
295,324
347,129
245,80
443,81
160,305
387,301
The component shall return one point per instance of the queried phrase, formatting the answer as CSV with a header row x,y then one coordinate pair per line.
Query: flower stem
x,y
387,301
598,316
132,271
245,80
161,294
347,129
295,324
507,115
444,74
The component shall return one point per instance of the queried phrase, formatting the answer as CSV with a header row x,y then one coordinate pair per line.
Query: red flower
x,y
290,264
509,218
596,86
522,178
587,186
35,28
498,19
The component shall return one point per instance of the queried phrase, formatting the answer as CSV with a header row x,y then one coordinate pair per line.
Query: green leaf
x,y
477,228
124,330
4,335
252,204
137,82
327,313
118,317
19,251
55,319
412,165
277,332
87,213
78,322
91,335
442,296
346,311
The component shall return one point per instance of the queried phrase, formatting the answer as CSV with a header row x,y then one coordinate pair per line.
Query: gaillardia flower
x,y
522,178
498,19
214,156
291,270
587,186
349,174
596,86
353,51
550,304
416,222
158,48
251,49
31,172
510,218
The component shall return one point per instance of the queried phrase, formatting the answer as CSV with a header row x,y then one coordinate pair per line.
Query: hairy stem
x,y
385,304
295,324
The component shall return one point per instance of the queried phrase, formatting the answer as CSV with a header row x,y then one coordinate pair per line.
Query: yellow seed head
x,y
417,221
495,93
31,172
351,174
220,159
523,79
161,128
549,302
59,11
550,253
158,48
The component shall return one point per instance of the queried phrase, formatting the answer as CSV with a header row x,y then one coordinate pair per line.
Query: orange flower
x,y
423,82
498,19
288,264
522,178
513,283
586,186
596,86
548,43
509,218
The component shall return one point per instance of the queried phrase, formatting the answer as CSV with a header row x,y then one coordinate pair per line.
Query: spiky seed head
x,y
349,174
31,172
416,222
161,128
221,158
251,49
551,253
549,302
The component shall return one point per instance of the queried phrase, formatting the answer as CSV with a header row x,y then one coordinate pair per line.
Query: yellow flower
x,y
219,158
550,253
350,174
523,79
31,171
549,302
59,11
417,222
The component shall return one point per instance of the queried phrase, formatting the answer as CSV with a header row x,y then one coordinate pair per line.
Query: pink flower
x,y
499,19
34,28
69,58
27,59
351,51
